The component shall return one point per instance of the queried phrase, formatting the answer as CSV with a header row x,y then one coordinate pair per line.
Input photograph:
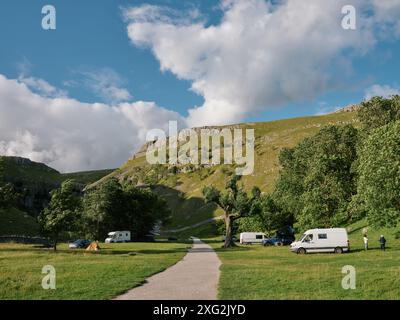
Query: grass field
x,y
82,275
257,272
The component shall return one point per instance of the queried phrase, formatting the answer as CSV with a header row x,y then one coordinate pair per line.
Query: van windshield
x,y
302,237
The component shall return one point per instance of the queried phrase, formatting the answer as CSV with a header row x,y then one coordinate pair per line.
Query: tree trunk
x,y
55,244
229,232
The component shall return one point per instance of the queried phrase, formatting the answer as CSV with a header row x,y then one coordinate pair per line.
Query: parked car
x,y
118,236
322,240
234,239
79,244
274,241
252,237
149,238
286,233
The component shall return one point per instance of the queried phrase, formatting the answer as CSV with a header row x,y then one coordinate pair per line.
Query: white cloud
x,y
70,135
261,55
387,13
384,91
105,83
42,87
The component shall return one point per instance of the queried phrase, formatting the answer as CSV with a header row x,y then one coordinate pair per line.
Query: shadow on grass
x,y
213,241
232,249
100,252
370,249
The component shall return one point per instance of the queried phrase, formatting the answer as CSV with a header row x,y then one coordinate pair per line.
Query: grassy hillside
x,y
33,181
16,169
87,177
15,222
182,190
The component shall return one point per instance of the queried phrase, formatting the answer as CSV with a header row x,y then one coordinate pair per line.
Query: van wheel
x,y
338,250
301,251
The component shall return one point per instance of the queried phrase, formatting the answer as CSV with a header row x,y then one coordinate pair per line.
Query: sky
x,y
84,96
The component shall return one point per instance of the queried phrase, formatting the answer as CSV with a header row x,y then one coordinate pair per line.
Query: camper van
x,y
252,237
118,236
322,240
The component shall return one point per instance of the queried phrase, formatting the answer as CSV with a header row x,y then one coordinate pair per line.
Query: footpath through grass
x,y
257,272
80,274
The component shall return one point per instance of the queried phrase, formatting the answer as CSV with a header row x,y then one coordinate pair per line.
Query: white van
x,y
322,240
252,237
118,236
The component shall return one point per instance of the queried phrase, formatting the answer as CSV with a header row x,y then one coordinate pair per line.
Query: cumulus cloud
x,y
105,83
261,54
70,135
42,87
384,91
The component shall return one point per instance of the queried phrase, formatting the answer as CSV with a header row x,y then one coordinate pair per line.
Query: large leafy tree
x,y
144,210
317,180
112,206
379,111
235,203
63,211
104,208
266,216
379,176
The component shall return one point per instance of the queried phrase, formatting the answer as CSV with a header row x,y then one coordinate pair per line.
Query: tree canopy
x,y
63,212
112,206
316,182
378,184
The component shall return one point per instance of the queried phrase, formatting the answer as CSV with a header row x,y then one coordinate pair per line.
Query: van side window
x,y
259,236
322,236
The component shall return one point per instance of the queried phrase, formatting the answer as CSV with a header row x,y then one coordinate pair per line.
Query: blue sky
x,y
92,35
92,58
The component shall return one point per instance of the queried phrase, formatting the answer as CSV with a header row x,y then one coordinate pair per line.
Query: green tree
x,y
317,179
144,210
112,206
379,176
104,209
266,216
8,196
235,203
379,111
63,211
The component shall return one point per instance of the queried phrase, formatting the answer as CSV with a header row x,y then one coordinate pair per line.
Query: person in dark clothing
x,y
382,241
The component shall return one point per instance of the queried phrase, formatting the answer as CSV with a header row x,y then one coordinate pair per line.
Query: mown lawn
x,y
256,272
80,274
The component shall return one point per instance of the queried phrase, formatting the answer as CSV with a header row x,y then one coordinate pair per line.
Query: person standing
x,y
382,241
365,242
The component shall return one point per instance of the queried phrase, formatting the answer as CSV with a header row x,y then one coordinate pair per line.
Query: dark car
x,y
276,241
80,244
283,237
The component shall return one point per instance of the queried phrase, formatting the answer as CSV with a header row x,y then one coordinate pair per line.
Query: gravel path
x,y
195,277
